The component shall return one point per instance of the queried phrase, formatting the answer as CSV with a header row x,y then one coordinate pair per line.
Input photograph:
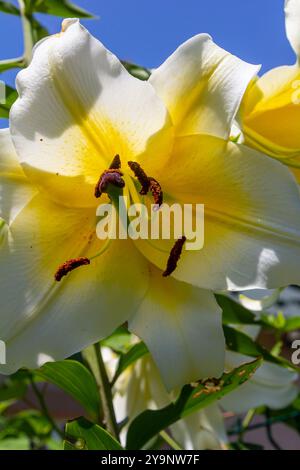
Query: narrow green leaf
x,y
11,64
8,7
137,71
148,424
239,342
62,8
11,96
76,380
83,435
126,360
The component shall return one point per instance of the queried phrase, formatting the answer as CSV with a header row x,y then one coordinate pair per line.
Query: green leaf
x,y
83,435
62,8
235,314
76,380
126,360
8,7
19,443
148,424
119,341
39,31
12,390
136,70
11,96
241,343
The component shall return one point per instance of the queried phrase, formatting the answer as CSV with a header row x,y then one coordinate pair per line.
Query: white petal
x,y
78,108
203,430
15,189
41,318
181,325
292,22
202,85
271,385
251,216
258,300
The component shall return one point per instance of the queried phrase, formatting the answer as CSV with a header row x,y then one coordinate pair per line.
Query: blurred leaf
x,y
62,8
83,435
136,70
19,443
39,31
76,380
28,422
239,445
235,314
12,390
120,341
241,343
8,7
148,424
126,360
11,96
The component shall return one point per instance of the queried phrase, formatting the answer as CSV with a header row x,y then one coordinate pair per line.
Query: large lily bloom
x,y
270,111
79,108
140,387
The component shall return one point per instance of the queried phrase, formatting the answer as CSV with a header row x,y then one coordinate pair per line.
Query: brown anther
x,y
174,256
156,191
69,266
111,176
116,163
141,177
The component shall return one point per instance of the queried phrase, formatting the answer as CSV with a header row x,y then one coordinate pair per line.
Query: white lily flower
x,y
270,111
140,387
79,108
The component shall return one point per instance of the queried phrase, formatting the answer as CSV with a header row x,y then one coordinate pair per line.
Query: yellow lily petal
x,y
41,319
202,86
15,189
270,111
251,216
182,323
78,108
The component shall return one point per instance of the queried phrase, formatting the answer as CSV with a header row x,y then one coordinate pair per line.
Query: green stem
x,y
44,408
246,421
27,32
106,395
169,440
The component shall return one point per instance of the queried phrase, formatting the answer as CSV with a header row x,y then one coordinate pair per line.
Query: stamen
x,y
174,256
141,176
116,163
156,191
111,176
69,266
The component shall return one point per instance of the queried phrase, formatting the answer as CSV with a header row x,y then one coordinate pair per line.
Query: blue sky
x,y
146,32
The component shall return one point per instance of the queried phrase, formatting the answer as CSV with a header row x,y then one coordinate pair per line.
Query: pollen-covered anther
x,y
174,256
69,266
109,177
141,177
156,191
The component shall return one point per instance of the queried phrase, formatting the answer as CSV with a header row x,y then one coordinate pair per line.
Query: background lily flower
x,y
270,111
140,387
77,109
